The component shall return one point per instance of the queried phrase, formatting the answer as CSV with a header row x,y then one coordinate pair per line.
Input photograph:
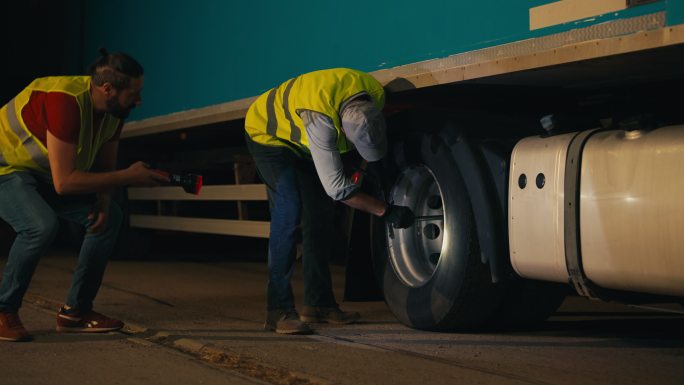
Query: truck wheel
x,y
528,302
431,274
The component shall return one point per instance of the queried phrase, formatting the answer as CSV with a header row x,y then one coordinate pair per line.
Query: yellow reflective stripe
x,y
30,143
295,132
272,120
14,122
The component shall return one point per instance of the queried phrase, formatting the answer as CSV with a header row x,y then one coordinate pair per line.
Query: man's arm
x,y
68,180
367,203
323,145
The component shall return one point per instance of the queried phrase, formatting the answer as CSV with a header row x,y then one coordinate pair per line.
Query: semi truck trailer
x,y
539,143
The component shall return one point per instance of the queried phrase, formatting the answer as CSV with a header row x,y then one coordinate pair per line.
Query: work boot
x,y
286,322
71,320
331,315
11,328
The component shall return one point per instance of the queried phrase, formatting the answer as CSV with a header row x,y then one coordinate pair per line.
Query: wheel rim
x,y
415,252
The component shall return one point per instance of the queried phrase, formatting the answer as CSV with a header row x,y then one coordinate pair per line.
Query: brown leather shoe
x,y
331,315
11,328
286,322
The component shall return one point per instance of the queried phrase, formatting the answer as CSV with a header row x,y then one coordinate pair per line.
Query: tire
x,y
431,274
527,302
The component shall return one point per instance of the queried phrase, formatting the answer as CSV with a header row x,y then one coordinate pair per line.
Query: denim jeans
x,y
296,197
31,207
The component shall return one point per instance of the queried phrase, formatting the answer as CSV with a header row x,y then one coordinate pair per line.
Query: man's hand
x,y
98,216
139,174
400,217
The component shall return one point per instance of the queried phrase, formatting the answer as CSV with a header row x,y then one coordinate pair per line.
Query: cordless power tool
x,y
191,183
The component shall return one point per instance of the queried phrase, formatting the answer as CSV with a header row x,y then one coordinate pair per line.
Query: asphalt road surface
x,y
200,322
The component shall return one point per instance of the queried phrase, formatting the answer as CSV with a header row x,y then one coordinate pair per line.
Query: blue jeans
x,y
31,207
296,196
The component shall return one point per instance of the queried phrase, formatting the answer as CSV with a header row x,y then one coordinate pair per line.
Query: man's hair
x,y
115,68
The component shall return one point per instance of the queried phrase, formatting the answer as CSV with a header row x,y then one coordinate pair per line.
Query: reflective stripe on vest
x,y
272,124
29,141
295,132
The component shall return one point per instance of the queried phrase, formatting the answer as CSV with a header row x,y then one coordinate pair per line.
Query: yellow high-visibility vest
x,y
273,119
21,150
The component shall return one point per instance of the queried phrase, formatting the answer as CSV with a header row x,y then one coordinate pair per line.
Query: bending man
x,y
296,133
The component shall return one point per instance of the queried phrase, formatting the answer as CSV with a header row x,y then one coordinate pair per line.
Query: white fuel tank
x,y
631,209
535,207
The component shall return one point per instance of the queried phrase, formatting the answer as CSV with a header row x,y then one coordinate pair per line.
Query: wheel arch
x,y
484,171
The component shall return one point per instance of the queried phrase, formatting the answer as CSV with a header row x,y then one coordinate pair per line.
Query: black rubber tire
x,y
527,303
459,294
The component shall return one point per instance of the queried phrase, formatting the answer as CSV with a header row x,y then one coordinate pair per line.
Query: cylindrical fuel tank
x,y
535,207
631,209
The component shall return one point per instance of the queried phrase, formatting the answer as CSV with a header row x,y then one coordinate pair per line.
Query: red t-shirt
x,y
56,112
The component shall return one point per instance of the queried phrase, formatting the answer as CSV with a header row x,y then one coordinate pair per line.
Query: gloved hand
x,y
400,217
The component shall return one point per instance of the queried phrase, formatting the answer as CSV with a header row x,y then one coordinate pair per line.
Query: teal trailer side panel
x,y
207,52
675,12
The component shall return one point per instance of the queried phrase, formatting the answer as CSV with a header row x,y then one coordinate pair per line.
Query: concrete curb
x,y
225,357
194,346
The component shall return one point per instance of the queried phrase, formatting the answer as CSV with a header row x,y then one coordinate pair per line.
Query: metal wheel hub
x,y
415,252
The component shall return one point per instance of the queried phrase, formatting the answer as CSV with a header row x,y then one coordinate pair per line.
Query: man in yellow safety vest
x,y
296,133
58,149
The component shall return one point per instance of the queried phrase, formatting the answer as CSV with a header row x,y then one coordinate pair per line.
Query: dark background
x,y
41,38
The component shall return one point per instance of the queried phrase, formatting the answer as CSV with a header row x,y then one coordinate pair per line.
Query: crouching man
x,y
58,149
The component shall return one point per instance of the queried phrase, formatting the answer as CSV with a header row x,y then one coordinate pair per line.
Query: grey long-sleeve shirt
x,y
326,156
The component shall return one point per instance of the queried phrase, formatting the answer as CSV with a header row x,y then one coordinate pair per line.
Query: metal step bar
x,y
237,227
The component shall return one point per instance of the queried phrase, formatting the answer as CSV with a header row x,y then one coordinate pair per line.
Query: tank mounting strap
x,y
573,251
